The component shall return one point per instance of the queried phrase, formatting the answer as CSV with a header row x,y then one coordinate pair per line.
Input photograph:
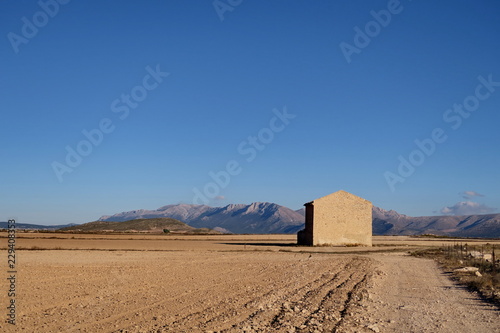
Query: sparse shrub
x,y
166,231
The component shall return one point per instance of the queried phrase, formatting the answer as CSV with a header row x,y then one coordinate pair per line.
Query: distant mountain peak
x,y
382,213
257,217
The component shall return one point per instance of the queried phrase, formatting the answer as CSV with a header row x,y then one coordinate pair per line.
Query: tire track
x,y
279,311
306,308
317,308
353,297
253,309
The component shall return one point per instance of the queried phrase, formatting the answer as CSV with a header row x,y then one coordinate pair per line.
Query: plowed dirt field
x,y
239,285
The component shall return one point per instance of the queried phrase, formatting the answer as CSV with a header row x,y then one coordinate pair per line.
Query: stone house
x,y
340,218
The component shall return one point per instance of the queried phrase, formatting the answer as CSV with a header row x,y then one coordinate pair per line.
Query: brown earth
x,y
236,283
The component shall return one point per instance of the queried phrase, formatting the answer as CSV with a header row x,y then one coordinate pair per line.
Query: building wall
x,y
340,218
305,237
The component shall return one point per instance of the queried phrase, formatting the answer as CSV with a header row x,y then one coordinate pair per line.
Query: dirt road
x,y
238,288
413,295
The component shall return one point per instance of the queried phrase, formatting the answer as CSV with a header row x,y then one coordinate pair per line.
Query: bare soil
x,y
110,283
412,295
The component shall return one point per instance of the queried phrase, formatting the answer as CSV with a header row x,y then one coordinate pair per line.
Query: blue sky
x,y
279,101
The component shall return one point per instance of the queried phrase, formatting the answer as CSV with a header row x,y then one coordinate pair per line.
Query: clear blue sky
x,y
72,69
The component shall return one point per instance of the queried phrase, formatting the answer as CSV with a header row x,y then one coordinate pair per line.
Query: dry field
x,y
244,283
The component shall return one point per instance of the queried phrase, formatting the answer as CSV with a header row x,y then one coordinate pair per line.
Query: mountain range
x,y
264,218
271,218
392,223
256,218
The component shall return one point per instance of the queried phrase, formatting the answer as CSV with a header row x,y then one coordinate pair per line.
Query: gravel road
x,y
412,295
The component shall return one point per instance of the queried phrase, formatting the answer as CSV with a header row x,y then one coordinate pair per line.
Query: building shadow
x,y
263,244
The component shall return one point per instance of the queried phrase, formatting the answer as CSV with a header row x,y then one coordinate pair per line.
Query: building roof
x,y
341,192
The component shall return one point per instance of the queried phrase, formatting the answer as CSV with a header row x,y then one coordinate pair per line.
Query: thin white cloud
x,y
220,198
467,208
469,194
